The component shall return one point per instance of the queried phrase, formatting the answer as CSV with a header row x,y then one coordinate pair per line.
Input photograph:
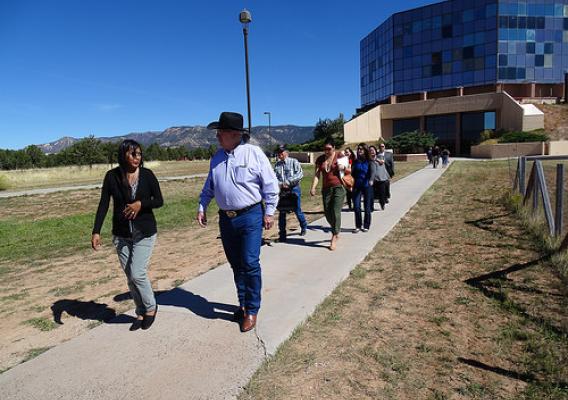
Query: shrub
x,y
520,137
3,182
411,142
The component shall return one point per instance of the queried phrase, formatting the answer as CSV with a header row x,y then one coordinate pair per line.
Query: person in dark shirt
x,y
361,171
135,193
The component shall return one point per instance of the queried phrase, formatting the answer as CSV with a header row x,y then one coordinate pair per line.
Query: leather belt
x,y
234,213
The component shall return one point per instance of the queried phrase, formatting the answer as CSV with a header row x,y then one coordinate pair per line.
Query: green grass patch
x,y
33,353
43,324
3,183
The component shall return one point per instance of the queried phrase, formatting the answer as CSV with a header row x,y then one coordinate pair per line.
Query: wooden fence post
x,y
522,168
545,196
559,199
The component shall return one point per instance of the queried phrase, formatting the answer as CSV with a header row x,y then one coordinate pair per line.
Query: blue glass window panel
x,y
549,10
407,40
458,30
558,10
416,50
503,34
468,40
437,21
427,47
557,49
447,80
558,36
513,9
540,9
446,20
426,71
566,10
490,24
479,25
427,24
457,42
436,45
457,66
529,73
457,54
490,61
511,73
539,60
468,77
416,73
513,22
549,35
491,47
540,35
416,26
549,23
522,22
468,15
416,85
540,48
503,8
539,22
407,86
436,34
468,27
447,44
502,73
426,59
522,9
489,120
548,61
531,47
436,81
521,48
479,76
531,22
468,52
479,37
446,56
548,73
512,61
490,10
407,51
530,60
538,74
479,51
503,47
490,74
512,48
521,61
531,9
548,48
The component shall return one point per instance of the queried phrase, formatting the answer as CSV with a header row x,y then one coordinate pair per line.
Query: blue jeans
x,y
298,212
242,238
367,193
134,255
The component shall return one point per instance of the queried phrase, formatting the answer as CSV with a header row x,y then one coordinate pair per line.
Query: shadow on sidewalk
x,y
85,310
195,303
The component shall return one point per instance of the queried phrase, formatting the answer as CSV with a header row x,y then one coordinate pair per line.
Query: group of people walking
x,y
247,190
434,154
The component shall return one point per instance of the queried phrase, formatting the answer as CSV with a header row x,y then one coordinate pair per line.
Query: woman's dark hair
x,y
351,154
127,146
365,150
372,147
329,141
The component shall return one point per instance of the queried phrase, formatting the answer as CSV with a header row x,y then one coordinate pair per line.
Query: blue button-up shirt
x,y
288,172
239,179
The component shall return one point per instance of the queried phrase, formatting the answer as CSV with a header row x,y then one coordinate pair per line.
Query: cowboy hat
x,y
229,121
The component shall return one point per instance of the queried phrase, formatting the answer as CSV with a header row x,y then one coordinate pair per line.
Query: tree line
x,y
89,151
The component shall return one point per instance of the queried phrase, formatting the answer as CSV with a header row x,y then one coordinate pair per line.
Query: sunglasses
x,y
136,154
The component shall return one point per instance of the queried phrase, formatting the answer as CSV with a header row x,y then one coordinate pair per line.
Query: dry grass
x,y
421,319
77,175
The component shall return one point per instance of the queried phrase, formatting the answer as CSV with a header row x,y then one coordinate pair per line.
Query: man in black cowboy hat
x,y
240,179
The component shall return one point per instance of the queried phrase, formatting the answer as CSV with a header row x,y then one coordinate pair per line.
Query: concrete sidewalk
x,y
194,350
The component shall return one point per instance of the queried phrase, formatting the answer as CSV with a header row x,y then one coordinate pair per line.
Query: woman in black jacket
x,y
135,192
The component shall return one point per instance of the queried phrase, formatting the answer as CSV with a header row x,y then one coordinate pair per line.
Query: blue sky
x,y
111,67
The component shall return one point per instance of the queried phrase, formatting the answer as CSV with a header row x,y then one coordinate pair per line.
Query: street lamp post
x,y
245,19
269,114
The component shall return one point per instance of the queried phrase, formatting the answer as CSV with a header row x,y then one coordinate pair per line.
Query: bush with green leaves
x,y
521,137
411,142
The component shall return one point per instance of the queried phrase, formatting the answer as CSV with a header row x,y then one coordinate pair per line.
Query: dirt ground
x,y
453,304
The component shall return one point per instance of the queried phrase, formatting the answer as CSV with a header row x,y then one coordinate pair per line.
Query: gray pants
x,y
134,255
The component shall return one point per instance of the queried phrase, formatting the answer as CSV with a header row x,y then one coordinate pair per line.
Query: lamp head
x,y
245,17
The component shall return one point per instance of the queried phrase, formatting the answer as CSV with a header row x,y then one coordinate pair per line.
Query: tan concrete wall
x,y
410,157
302,156
447,105
366,127
503,150
511,116
557,148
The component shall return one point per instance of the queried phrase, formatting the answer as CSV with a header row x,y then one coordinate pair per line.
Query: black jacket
x,y
148,193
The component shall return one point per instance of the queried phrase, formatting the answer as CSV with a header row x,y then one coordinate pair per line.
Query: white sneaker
x,y
356,230
364,229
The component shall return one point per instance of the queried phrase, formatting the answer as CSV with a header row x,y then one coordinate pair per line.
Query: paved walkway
x,y
194,350
32,192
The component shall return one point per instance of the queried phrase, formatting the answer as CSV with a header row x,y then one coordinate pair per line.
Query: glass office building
x,y
522,45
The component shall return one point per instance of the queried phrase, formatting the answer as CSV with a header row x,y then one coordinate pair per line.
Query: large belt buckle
x,y
231,213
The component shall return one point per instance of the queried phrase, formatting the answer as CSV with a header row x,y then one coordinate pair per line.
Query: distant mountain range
x,y
198,136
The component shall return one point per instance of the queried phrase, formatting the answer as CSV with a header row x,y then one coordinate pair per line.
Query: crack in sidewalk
x,y
262,344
